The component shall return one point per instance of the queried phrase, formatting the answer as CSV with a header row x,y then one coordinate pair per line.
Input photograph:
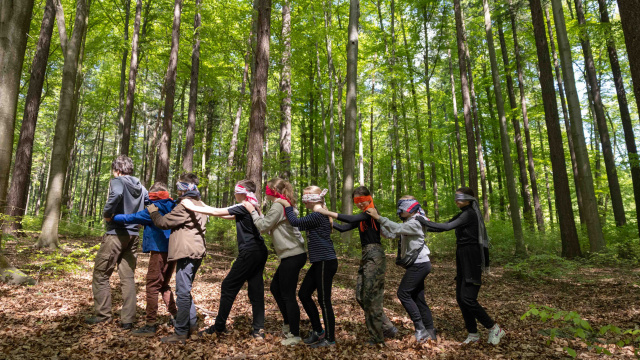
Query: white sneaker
x,y
472,338
291,340
495,334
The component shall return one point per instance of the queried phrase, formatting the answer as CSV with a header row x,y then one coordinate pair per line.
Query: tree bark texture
x,y
187,159
131,86
285,93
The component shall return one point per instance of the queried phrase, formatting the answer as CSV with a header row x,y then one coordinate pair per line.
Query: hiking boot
x,y
258,334
495,334
145,331
126,326
390,333
175,338
421,333
291,340
322,343
92,320
432,335
314,337
472,338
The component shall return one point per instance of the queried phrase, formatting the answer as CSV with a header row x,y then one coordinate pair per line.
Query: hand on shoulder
x,y
373,213
188,204
152,208
283,202
249,206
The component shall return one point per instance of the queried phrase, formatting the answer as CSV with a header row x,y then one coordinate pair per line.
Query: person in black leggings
x,y
324,265
471,260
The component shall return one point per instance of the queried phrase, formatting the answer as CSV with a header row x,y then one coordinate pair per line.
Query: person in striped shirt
x,y
324,265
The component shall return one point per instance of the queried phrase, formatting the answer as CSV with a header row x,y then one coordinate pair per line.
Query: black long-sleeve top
x,y
318,228
465,224
371,233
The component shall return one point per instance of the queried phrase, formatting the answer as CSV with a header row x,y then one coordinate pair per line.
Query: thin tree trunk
x,y
524,180
594,229
360,153
187,160
371,154
151,154
285,93
123,67
164,148
324,120
60,152
131,88
259,95
461,39
504,137
333,184
455,116
625,116
568,233
15,18
17,195
348,155
525,122
394,106
607,151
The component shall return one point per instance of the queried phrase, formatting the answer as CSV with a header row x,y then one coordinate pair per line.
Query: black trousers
x,y
467,297
248,267
283,287
320,277
411,294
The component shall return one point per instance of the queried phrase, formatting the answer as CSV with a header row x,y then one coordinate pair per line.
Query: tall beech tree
x,y
164,148
285,93
187,157
133,74
259,95
504,137
568,233
590,206
64,123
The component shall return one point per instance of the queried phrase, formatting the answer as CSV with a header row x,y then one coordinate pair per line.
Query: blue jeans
x,y
186,318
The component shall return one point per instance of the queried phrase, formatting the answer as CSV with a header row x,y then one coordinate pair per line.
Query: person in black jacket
x,y
471,259
370,282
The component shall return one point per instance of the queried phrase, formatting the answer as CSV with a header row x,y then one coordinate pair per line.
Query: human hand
x,y
152,208
373,213
323,211
188,204
283,202
249,206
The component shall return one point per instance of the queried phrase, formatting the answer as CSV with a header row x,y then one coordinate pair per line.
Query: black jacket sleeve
x,y
345,227
457,221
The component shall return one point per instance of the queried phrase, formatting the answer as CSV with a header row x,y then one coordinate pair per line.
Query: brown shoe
x,y
175,338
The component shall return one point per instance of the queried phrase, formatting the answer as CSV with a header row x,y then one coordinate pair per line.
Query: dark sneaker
x,y
127,326
174,339
145,331
212,330
92,320
314,337
172,321
432,335
390,333
322,343
258,334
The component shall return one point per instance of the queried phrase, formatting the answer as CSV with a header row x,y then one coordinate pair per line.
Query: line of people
x,y
176,241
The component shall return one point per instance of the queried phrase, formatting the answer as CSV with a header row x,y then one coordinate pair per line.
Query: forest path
x,y
47,320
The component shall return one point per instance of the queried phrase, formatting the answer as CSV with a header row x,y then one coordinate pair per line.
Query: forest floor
x,y
47,320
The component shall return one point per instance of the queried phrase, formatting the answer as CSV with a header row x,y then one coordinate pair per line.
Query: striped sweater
x,y
318,228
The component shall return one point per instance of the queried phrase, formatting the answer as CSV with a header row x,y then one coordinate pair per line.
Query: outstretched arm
x,y
207,210
345,227
457,221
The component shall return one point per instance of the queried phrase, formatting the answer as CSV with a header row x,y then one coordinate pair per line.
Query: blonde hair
x,y
318,190
408,197
283,187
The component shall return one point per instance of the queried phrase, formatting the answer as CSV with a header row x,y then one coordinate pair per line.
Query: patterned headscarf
x,y
184,186
310,198
251,197
411,206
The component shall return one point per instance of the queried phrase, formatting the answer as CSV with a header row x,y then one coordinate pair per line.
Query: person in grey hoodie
x,y
413,255
119,245
289,246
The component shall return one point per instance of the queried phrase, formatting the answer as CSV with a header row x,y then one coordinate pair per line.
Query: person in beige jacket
x,y
187,248
289,246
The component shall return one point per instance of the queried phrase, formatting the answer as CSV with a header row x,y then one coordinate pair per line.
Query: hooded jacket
x,y
126,196
153,239
411,246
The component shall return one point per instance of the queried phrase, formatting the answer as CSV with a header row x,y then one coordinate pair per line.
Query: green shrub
x,y
541,267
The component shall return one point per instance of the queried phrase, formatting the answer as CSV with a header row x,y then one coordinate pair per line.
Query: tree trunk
x,y
607,151
60,152
461,39
259,96
348,155
504,137
360,153
123,67
625,116
187,160
594,230
394,106
455,116
17,195
568,233
164,148
524,180
567,121
15,18
153,141
333,184
525,122
285,93
324,120
371,154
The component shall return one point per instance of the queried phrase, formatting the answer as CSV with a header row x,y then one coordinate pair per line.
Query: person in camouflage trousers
x,y
370,285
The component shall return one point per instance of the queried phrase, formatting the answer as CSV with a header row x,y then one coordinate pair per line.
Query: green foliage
x,y
222,232
571,325
56,263
541,267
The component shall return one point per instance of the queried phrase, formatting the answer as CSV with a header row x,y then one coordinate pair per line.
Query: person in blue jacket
x,y
156,242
